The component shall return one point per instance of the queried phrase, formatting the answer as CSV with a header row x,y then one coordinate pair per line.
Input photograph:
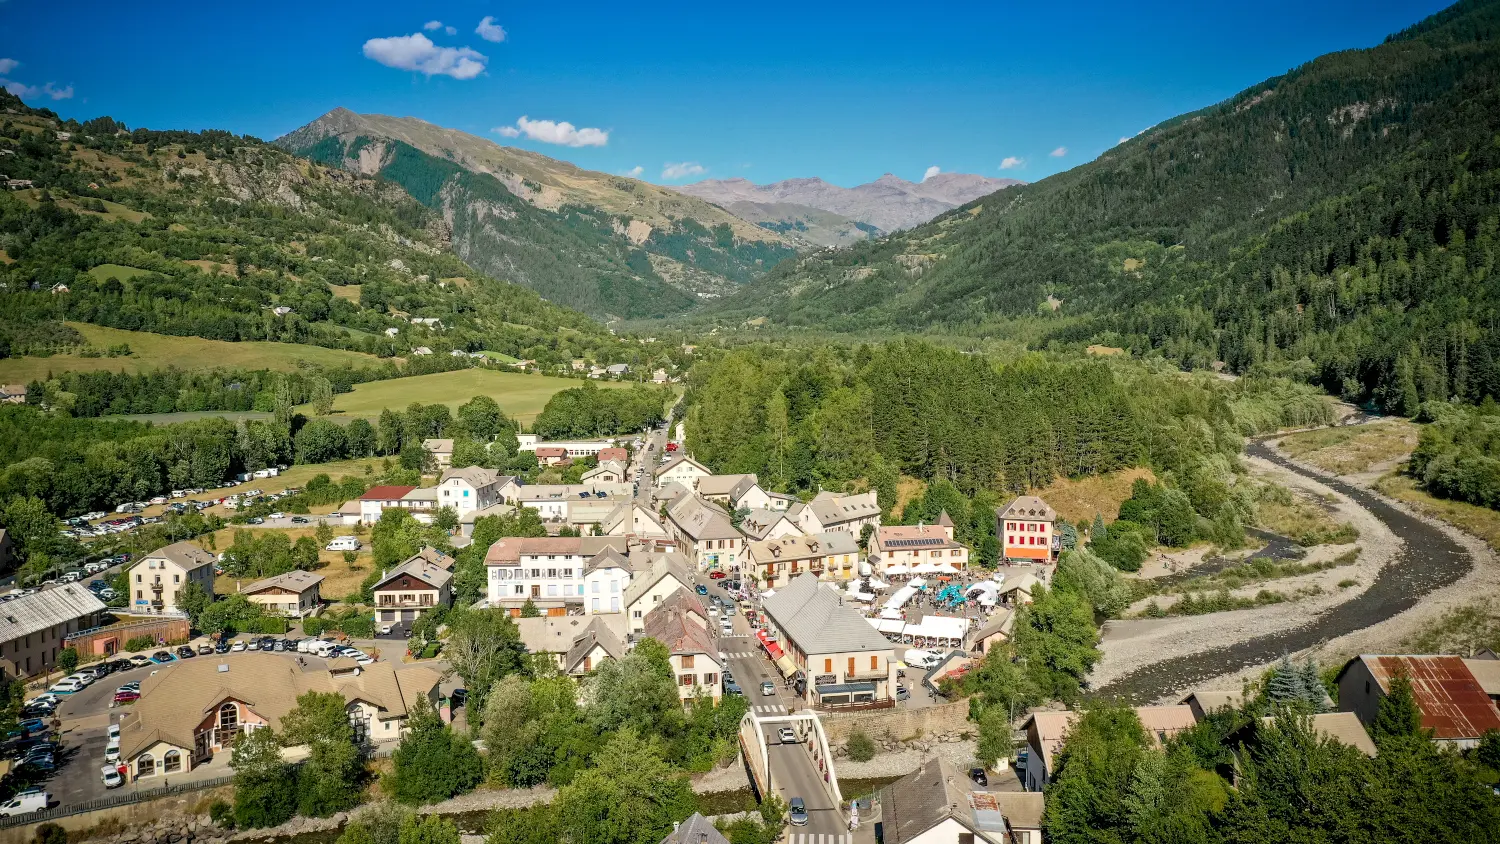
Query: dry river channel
x,y
1428,560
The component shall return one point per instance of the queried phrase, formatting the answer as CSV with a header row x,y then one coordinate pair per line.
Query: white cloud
x,y
489,30
20,89
635,172
931,171
1123,139
1059,152
418,53
431,25
1011,162
451,30
58,93
554,132
7,65
682,169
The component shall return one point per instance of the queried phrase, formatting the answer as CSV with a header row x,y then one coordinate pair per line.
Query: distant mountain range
x,y
828,215
607,245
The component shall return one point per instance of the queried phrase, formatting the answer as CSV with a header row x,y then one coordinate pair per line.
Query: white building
x,y
574,448
608,472
832,511
475,488
158,578
587,573
705,533
421,501
682,470
554,502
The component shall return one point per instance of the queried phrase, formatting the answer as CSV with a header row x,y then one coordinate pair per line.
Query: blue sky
x,y
845,91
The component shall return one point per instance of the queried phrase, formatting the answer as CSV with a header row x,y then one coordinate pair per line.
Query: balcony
x,y
395,602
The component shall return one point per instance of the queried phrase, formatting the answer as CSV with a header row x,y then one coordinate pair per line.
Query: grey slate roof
x,y
662,565
596,633
185,554
724,484
297,581
41,610
930,795
695,830
817,620
701,520
1028,507
834,509
419,567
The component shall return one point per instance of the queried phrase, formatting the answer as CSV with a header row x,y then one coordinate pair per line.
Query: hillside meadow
x,y
521,396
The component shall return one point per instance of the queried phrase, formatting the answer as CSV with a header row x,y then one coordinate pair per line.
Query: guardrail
x,y
113,801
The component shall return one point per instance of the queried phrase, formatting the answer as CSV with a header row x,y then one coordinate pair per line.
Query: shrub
x,y
140,643
51,833
313,626
221,813
861,747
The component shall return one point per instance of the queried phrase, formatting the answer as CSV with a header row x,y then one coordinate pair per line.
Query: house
x,y
1342,727
573,448
18,184
616,370
705,533
408,590
666,575
421,350
1025,528
682,470
996,631
554,502
578,364
587,573
33,627
292,594
431,322
1453,703
727,490
938,804
1204,702
551,455
1486,672
695,830
159,577
840,657
914,545
577,643
631,519
694,656
616,453
761,524
59,288
421,501
196,708
281,310
607,472
12,393
1017,591
392,332
1046,732
658,376
474,488
831,511
830,556
441,451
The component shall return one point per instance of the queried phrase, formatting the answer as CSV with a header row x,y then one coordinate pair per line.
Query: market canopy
x,y
899,568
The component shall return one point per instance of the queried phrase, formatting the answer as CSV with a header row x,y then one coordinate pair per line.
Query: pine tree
x,y
1312,686
1285,686
1397,716
1098,531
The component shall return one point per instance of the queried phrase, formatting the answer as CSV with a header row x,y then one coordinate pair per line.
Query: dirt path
x,y
1412,569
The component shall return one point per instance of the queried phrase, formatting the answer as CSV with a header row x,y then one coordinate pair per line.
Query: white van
x,y
26,803
344,543
920,659
112,751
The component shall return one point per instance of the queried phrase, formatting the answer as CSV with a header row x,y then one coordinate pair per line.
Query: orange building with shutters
x,y
1025,527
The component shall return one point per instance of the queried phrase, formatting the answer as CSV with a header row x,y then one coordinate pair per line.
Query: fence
x,y
113,801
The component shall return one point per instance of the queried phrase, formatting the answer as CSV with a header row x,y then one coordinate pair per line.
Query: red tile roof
x,y
1453,704
386,493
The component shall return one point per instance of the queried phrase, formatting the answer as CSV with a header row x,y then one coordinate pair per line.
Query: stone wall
x,y
900,724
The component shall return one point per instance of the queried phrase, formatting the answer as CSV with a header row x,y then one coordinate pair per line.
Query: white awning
x,y
899,598
945,568
877,583
899,568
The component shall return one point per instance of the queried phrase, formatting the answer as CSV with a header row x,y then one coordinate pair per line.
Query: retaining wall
x,y
900,724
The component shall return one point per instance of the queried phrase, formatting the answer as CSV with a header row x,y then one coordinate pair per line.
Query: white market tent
x,y
898,568
899,598
877,583
891,614
927,568
890,626
857,594
935,630
944,568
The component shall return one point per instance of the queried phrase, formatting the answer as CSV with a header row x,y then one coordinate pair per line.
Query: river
x,y
1428,560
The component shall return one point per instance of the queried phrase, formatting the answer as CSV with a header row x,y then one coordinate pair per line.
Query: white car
x,y
238,646
67,686
787,736
278,515
112,751
111,777
920,659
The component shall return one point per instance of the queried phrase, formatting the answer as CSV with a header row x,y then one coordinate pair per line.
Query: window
x,y
176,578
687,661
874,663
710,679
229,716
552,590
850,672
685,679
828,666
520,589
171,763
614,604
552,572
145,766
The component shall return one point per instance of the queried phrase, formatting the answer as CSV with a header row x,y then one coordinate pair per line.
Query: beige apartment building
x,y
294,594
842,660
408,590
33,627
159,577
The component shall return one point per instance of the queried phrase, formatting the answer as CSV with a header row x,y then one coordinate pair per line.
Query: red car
x,y
127,696
717,575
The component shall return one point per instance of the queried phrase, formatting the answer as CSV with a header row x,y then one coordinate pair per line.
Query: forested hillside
x,y
611,246
1338,222
225,237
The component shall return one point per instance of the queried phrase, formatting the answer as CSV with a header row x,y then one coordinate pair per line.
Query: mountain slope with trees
x,y
1338,223
608,245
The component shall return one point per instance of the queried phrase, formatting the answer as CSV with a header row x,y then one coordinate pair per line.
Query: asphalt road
x,y
1428,560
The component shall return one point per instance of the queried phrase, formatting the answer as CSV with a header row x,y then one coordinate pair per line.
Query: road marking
x,y
773,709
820,838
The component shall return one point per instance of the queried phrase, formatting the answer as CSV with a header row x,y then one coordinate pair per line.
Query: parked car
x,y
162,657
299,520
903,693
205,649
126,696
222,647
238,646
139,661
978,776
185,652
717,575
67,686
798,813
701,589
25,803
255,520
920,659
787,735
111,776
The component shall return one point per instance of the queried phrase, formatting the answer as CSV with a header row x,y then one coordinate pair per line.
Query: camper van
x,y
344,543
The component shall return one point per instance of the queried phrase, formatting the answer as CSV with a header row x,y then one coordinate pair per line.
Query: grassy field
x,y
119,271
339,578
521,396
1300,518
113,211
195,415
1353,448
1079,500
345,291
152,351
296,476
1480,521
499,356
